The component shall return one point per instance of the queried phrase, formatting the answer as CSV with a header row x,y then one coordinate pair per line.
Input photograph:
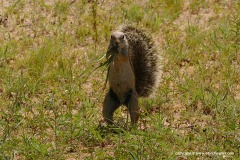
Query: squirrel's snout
x,y
114,48
116,44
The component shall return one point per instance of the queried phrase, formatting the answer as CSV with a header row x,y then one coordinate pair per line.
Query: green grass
x,y
50,111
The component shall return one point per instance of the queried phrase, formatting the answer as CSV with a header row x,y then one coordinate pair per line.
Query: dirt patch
x,y
201,19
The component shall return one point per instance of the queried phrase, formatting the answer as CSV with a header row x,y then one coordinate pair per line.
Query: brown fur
x,y
121,77
132,73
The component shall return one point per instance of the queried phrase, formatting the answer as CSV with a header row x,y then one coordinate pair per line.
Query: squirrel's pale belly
x,y
121,79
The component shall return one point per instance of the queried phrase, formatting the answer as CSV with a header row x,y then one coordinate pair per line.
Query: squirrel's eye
x,y
122,37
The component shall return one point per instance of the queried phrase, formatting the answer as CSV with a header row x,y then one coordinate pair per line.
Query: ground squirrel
x,y
134,72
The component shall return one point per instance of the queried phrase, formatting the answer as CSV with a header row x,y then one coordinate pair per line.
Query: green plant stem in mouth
x,y
107,65
110,58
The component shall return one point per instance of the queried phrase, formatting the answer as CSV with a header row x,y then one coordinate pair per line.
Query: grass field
x,y
51,109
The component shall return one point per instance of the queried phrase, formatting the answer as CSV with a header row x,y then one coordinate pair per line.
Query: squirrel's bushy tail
x,y
145,59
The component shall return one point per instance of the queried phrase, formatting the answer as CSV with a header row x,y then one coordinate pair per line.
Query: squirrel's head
x,y
118,44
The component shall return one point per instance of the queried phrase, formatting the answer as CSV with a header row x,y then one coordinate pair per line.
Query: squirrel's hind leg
x,y
132,105
110,104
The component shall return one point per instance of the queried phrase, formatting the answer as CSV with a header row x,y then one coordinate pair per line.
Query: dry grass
x,y
49,111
